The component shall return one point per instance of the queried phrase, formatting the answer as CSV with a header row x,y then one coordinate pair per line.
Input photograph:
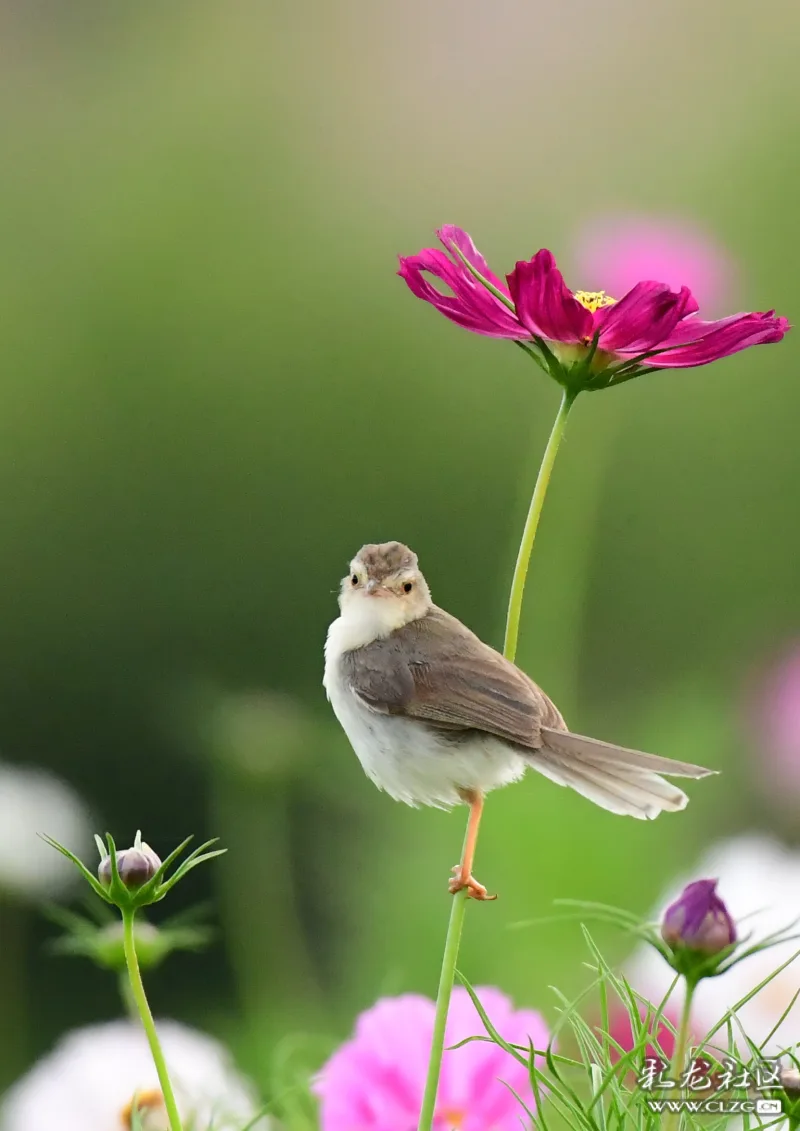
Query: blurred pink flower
x,y
375,1081
585,339
620,1030
776,723
618,251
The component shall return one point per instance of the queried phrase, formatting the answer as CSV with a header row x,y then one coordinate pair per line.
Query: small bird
x,y
439,718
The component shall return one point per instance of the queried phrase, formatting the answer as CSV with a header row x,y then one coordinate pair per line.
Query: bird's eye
x,y
408,587
354,579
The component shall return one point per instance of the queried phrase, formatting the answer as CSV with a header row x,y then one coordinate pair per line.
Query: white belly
x,y
411,761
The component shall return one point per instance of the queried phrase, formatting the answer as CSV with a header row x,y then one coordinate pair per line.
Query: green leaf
x,y
95,884
498,294
748,996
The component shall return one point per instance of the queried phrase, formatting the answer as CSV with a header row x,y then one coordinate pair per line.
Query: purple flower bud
x,y
135,866
698,920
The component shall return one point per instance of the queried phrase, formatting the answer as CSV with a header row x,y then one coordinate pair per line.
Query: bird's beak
x,y
374,588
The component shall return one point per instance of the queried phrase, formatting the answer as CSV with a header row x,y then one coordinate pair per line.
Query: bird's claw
x,y
474,890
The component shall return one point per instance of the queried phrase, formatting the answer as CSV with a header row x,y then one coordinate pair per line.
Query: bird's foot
x,y
462,880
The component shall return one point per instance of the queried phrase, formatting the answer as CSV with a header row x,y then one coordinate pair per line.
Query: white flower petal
x,y
85,1083
33,801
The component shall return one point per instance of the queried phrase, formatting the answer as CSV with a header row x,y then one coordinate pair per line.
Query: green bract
x,y
102,939
138,891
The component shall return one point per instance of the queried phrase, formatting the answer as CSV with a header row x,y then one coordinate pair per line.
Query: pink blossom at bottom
x,y
375,1080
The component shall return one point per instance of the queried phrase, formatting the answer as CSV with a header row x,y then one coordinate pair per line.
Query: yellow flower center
x,y
147,1103
593,300
452,1119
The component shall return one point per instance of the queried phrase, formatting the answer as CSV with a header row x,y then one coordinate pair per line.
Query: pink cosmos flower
x,y
621,250
585,340
375,1081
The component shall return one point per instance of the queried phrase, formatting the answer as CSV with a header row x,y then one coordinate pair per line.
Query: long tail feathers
x,y
623,781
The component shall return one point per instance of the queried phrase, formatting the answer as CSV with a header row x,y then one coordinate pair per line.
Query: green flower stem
x,y
143,1009
459,907
531,525
126,994
444,993
678,1066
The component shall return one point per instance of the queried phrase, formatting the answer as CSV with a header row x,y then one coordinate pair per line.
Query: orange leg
x,y
462,873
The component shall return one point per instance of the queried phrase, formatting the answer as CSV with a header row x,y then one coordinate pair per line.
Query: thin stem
x,y
143,1009
531,525
678,1067
274,969
459,907
128,1000
446,979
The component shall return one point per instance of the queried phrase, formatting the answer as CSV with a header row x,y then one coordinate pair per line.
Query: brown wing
x,y
436,670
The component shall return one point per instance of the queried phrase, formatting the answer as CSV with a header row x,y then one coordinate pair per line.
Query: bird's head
x,y
385,586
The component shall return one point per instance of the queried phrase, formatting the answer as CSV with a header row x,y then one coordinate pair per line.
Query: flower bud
x,y
136,866
698,920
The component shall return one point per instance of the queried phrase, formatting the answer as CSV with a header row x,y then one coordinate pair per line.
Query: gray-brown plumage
x,y
435,669
381,560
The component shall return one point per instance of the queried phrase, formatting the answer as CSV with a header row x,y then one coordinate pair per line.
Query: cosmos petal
x,y
545,304
469,303
695,342
642,318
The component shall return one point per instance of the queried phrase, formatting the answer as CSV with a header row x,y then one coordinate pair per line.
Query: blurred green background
x,y
214,389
